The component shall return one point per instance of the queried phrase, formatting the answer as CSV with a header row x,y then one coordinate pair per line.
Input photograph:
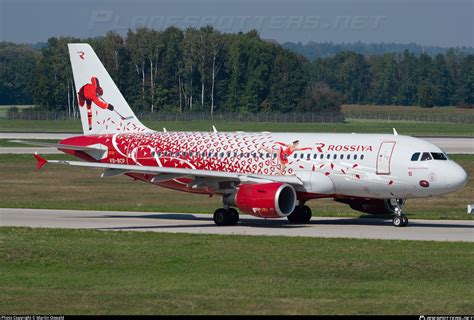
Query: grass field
x,y
46,271
64,187
357,126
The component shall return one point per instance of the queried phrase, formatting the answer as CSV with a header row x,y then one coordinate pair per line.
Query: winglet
x,y
41,162
395,133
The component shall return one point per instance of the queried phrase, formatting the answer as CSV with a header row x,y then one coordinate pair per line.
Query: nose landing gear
x,y
400,219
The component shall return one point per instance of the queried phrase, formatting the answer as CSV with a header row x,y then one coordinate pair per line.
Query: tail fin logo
x,y
92,92
81,55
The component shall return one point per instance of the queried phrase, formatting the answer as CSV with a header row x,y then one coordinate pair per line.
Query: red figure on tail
x,y
92,92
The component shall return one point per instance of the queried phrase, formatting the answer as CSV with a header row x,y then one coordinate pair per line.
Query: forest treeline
x,y
205,70
313,50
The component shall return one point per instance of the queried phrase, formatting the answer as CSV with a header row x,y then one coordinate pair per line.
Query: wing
x,y
161,174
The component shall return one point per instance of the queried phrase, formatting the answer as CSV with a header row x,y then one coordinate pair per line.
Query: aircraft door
x,y
384,157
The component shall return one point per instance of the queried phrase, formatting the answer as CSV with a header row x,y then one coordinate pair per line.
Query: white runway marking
x,y
368,228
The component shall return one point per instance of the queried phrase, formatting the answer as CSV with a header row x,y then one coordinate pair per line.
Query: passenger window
x,y
415,156
321,156
184,153
315,156
355,157
159,154
328,156
341,157
302,156
425,156
275,155
335,156
228,154
295,156
348,157
247,155
361,157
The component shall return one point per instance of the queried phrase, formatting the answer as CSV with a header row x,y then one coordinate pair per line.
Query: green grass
x,y
65,187
435,114
47,271
357,126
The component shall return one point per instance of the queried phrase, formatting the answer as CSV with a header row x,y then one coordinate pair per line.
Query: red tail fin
x,y
41,162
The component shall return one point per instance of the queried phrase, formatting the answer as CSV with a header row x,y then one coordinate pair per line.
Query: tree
x,y
427,95
319,97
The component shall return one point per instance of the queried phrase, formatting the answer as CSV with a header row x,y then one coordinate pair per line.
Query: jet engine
x,y
266,200
374,206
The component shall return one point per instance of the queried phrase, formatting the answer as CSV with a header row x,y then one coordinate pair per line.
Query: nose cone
x,y
457,177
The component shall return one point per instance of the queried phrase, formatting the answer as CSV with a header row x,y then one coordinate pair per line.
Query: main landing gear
x,y
400,219
226,217
301,214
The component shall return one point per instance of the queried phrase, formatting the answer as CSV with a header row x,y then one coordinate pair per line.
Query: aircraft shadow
x,y
270,223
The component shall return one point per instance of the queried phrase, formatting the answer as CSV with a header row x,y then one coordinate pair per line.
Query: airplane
x,y
263,174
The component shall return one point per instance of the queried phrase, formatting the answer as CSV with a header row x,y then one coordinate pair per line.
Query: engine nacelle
x,y
266,200
374,206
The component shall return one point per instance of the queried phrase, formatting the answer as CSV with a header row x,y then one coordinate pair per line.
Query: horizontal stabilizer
x,y
57,145
41,162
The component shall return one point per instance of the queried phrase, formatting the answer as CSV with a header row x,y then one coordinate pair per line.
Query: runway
x,y
450,145
365,228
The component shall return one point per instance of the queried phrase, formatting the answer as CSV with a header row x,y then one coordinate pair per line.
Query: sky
x,y
444,23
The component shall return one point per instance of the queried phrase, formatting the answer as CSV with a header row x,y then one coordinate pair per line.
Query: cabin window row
x,y
229,154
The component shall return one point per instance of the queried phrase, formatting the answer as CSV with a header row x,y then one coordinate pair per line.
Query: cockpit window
x,y
439,156
426,156
415,156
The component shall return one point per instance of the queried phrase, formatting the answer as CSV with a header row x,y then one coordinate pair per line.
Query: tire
x,y
235,216
404,221
221,217
397,221
306,214
300,215
293,217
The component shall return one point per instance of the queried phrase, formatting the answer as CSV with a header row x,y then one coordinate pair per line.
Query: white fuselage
x,y
354,165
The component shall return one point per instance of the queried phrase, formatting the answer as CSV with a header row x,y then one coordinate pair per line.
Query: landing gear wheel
x,y
301,214
223,217
404,221
235,216
400,221
397,221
